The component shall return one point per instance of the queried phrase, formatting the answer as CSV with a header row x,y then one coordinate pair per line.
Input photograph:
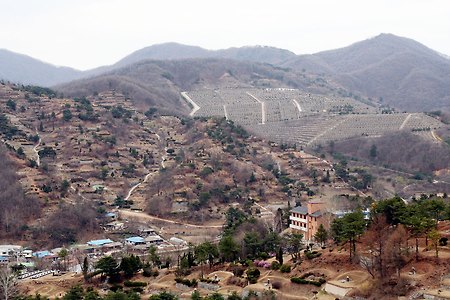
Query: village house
x,y
154,239
135,241
10,250
114,225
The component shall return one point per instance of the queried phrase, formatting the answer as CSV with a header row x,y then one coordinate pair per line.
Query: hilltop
x,y
24,69
175,51
391,70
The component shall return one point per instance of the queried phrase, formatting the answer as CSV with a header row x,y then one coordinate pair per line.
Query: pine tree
x,y
321,235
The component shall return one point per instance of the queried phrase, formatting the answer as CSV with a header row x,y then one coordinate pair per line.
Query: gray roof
x,y
300,210
316,214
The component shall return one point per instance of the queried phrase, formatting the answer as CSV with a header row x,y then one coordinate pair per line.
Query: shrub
x,y
253,274
116,287
263,255
275,265
312,254
187,282
285,268
276,285
238,271
236,281
128,283
208,280
148,272
300,280
261,264
206,171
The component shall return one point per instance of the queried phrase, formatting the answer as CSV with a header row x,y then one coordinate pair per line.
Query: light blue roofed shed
x,y
135,240
99,242
42,254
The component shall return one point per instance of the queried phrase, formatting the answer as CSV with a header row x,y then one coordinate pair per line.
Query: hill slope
x,y
399,71
23,69
159,83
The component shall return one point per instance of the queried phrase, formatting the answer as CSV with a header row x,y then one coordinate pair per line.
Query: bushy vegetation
x,y
187,282
285,268
402,151
17,208
128,283
8,130
300,280
253,275
312,254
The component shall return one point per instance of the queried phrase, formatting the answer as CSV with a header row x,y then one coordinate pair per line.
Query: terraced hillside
x,y
294,116
81,157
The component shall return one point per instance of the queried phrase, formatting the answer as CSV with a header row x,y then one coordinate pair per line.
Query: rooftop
x,y
99,242
135,239
300,210
153,238
316,214
42,254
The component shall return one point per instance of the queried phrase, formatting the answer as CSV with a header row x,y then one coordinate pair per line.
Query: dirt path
x,y
326,131
225,111
38,159
436,137
163,158
146,217
196,107
405,121
146,177
298,106
263,108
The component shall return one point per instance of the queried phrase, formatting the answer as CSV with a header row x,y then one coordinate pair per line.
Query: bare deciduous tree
x,y
8,284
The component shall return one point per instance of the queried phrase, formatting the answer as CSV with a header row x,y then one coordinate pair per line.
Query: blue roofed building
x,y
43,254
135,240
99,243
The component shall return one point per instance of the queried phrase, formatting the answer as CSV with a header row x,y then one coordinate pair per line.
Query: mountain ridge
x,y
21,68
391,70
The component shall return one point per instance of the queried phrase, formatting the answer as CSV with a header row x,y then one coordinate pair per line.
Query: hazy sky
x,y
88,33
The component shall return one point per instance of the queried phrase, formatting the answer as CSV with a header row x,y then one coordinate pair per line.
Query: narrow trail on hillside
x,y
134,187
38,159
147,217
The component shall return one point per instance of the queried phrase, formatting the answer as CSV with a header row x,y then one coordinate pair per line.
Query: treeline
x,y
403,151
68,224
16,208
384,239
